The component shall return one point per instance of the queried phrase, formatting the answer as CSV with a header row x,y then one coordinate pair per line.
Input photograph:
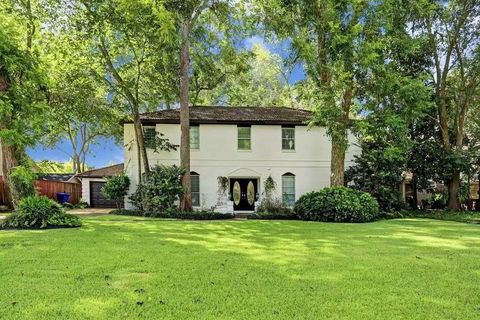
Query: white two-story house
x,y
244,146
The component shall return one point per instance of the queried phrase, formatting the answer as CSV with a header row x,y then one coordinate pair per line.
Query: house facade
x,y
236,149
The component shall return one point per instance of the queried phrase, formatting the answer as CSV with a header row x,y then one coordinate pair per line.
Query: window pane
x,y
288,190
195,199
149,135
288,138
194,137
195,189
244,132
244,142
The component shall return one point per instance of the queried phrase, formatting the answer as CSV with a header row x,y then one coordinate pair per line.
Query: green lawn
x,y
118,267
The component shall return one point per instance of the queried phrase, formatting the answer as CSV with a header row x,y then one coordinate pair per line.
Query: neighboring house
x,y
92,183
62,177
245,145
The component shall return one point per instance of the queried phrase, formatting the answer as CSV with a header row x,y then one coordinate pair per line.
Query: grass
x,y
459,216
120,267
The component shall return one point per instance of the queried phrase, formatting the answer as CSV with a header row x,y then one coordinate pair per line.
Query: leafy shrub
x,y
273,206
438,201
82,204
67,205
116,188
195,215
159,190
39,212
22,179
337,204
127,212
176,214
286,215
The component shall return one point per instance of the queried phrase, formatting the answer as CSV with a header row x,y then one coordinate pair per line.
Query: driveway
x,y
90,211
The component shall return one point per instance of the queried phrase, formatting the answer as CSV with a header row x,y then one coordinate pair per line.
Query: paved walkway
x,y
89,211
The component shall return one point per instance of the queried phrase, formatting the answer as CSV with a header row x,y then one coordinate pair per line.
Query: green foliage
x,y
274,206
49,166
176,214
379,168
22,100
22,180
255,78
437,200
201,270
39,213
269,206
116,188
158,190
337,204
273,214
269,187
222,186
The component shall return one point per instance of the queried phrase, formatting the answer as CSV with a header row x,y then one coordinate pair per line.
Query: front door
x,y
243,194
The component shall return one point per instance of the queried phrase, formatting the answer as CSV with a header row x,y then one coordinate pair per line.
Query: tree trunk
x,y
337,164
453,190
415,191
141,142
186,199
340,142
9,161
139,151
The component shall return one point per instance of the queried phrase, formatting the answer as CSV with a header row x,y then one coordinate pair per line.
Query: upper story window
x,y
194,137
195,188
244,138
288,189
149,136
288,138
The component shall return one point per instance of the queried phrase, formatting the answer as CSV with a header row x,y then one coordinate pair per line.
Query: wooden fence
x,y
50,189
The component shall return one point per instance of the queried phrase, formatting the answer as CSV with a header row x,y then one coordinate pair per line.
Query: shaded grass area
x,y
459,216
138,268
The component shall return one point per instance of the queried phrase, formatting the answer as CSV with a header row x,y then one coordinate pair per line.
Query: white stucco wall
x,y
86,188
218,156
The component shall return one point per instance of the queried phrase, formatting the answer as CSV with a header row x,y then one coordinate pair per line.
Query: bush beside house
x,y
116,188
39,213
337,204
157,196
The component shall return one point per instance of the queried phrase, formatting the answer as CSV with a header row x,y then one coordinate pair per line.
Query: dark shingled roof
x,y
232,115
55,176
109,171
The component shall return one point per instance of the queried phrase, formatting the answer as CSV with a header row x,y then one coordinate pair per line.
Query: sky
x,y
105,152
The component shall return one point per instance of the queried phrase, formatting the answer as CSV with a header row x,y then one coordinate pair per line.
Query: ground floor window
x,y
195,188
288,189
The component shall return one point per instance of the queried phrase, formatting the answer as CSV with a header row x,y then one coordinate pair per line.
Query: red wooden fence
x,y
50,188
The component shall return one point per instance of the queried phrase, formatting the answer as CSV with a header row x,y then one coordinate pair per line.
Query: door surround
x,y
256,180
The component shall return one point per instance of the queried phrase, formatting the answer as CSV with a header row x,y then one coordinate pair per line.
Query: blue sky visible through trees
x,y
106,152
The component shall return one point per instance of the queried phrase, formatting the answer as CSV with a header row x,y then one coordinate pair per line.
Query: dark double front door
x,y
243,193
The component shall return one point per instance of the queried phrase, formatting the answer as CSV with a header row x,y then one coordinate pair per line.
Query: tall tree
x,y
453,29
258,78
74,91
327,37
22,82
194,18
133,40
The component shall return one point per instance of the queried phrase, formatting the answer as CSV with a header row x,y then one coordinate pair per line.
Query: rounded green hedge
x,y
337,204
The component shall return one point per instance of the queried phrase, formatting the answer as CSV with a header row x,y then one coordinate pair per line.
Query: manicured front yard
x,y
117,267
